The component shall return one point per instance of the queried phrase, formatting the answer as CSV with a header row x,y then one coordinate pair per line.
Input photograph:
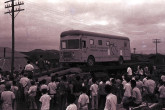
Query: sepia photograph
x,y
82,54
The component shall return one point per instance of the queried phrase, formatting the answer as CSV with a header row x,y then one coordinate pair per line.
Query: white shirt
x,y
24,81
45,99
94,88
129,71
162,91
137,95
128,90
83,101
32,90
44,86
52,88
150,84
111,102
71,107
29,67
163,78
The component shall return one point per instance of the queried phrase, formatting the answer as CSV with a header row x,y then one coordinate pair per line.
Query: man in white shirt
x,y
29,69
94,94
111,99
150,85
52,91
129,71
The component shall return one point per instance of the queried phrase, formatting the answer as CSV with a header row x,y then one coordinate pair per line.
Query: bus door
x,y
84,49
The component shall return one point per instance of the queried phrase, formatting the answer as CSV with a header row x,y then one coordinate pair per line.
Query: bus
x,y
77,46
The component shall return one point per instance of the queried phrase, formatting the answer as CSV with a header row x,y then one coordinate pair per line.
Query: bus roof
x,y
87,33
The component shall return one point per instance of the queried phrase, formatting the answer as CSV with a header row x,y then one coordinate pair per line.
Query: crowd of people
x,y
20,91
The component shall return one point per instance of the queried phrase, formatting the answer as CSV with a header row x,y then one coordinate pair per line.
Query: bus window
x,y
73,44
99,42
83,44
91,42
70,44
63,44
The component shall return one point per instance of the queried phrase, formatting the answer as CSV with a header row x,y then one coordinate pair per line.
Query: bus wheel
x,y
121,61
91,61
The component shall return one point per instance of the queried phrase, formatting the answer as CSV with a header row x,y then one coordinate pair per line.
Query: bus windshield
x,y
70,44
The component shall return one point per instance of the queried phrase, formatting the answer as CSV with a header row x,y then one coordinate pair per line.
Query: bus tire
x,y
91,61
121,61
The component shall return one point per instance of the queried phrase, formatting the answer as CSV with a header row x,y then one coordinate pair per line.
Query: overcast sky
x,y
40,25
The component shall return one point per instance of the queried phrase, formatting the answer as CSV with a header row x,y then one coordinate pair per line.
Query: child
x,y
94,94
43,85
71,99
7,98
83,100
45,100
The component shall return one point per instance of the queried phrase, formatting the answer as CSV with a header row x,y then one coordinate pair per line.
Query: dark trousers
x,y
102,100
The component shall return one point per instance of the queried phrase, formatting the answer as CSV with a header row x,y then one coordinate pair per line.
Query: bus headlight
x,y
73,54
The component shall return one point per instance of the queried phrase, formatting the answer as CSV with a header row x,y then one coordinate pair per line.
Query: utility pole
x,y
10,5
134,49
156,41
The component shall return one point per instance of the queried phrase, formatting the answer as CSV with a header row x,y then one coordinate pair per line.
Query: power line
x,y
60,14
134,50
10,5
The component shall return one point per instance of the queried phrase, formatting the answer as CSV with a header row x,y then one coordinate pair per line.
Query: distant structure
x,y
134,50
156,41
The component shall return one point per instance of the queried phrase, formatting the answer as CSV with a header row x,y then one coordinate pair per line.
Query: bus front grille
x,y
67,54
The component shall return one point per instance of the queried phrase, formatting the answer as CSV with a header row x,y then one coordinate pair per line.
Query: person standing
x,y
52,91
31,96
62,89
136,95
149,87
111,99
77,87
7,98
45,100
41,64
70,100
83,100
25,84
102,94
162,95
94,94
127,92
29,68
14,89
129,71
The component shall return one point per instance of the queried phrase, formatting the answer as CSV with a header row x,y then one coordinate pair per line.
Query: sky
x,y
39,26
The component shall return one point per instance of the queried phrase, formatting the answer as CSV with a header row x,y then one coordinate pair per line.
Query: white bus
x,y
88,47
